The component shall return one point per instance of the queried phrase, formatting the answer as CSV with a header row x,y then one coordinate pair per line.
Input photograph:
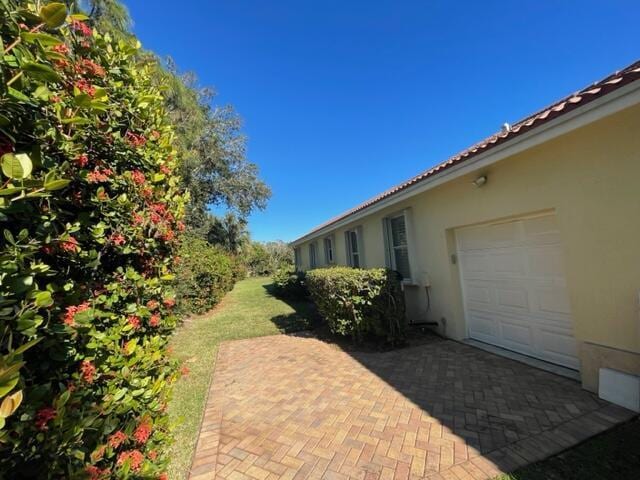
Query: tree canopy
x,y
215,169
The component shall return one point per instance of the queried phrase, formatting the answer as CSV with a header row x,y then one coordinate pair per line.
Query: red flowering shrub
x,y
90,217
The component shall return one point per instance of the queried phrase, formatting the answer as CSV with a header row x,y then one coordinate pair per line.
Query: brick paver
x,y
289,407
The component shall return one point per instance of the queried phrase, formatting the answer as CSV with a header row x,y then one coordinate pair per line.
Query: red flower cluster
x,y
85,87
70,313
69,245
117,239
89,67
143,432
116,439
147,192
154,321
152,304
138,177
137,219
169,302
134,139
95,473
134,321
153,455
99,175
88,371
184,371
62,49
98,454
81,160
155,218
135,458
165,169
163,476
168,235
61,63
44,416
81,28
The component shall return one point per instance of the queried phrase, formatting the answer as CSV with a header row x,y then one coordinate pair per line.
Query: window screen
x,y
354,254
328,250
399,246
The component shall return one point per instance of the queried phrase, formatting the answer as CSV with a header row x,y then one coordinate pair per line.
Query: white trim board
x,y
593,111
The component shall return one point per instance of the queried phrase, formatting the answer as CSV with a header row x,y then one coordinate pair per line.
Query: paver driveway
x,y
295,408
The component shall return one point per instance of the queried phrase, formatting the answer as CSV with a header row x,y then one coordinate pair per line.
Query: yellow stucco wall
x,y
590,177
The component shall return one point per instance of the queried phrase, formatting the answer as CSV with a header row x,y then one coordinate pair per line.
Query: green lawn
x,y
612,455
247,311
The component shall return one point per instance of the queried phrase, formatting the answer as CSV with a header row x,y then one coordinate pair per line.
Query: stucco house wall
x,y
590,179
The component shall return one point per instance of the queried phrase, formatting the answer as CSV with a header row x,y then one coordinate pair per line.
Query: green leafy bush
x,y
90,213
291,285
358,302
204,274
268,258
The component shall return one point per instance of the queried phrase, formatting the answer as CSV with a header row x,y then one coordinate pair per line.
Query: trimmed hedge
x,y
291,285
90,214
204,274
357,302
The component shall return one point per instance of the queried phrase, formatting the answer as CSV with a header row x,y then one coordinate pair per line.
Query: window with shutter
x,y
328,250
312,256
399,245
353,249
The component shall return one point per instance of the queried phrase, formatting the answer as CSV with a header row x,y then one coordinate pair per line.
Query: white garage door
x,y
515,293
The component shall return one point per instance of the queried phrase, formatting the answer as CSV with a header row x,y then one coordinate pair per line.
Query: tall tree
x,y
229,232
215,169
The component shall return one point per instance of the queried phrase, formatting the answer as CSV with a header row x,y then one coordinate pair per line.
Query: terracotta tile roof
x,y
566,105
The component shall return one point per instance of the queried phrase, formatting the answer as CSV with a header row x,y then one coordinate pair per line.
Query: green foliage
x,y
358,302
214,166
229,232
290,285
268,258
204,274
90,213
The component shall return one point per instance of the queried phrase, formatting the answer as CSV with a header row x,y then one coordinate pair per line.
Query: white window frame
x,y
359,253
390,257
313,256
329,252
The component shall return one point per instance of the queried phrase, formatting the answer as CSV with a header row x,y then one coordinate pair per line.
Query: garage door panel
x,y
507,262
512,298
475,265
484,327
478,294
502,235
554,301
545,262
515,293
541,230
559,347
517,336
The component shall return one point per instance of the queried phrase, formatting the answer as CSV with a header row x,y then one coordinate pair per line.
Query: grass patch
x,y
613,454
249,310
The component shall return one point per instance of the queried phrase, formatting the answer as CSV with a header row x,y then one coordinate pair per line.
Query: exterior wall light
x,y
480,181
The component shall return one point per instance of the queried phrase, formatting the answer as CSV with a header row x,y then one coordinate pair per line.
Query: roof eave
x,y
585,114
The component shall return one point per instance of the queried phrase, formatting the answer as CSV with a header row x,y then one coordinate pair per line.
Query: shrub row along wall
x,y
357,302
89,212
204,274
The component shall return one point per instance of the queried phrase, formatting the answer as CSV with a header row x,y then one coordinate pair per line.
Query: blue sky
x,y
343,99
